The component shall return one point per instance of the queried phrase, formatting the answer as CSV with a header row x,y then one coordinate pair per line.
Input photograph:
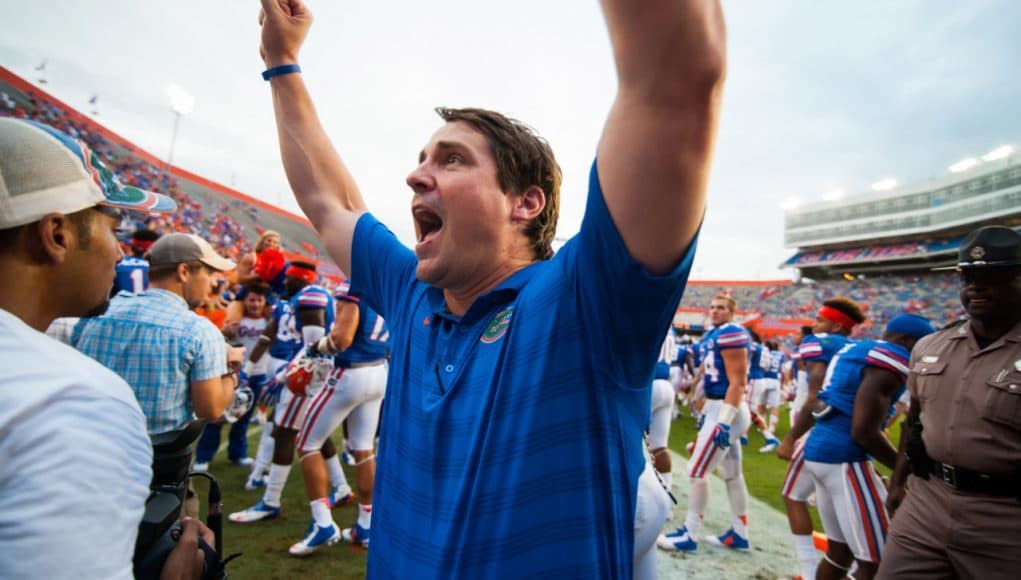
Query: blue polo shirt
x,y
511,439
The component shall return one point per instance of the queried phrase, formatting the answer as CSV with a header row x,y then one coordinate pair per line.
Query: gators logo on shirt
x,y
498,326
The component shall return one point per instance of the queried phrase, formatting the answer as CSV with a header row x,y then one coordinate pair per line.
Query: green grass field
x,y
264,544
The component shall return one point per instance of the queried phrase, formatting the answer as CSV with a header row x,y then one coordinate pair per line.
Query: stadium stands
x,y
230,220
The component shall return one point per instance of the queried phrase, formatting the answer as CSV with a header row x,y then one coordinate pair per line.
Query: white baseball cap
x,y
44,171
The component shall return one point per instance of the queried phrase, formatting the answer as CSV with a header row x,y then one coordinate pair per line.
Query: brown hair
x,y
523,159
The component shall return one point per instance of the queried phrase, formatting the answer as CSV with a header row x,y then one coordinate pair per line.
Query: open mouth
x,y
427,224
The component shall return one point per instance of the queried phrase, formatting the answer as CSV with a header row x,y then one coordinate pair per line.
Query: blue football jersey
x,y
777,358
132,275
288,339
758,361
830,441
372,339
313,297
713,344
820,348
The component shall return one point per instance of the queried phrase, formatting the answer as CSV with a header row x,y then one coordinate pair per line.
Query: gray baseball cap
x,y
178,248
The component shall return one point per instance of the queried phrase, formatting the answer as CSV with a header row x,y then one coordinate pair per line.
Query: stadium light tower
x,y
884,184
182,103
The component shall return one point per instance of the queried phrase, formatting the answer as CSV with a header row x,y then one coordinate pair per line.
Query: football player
x,y
833,325
862,382
354,391
724,416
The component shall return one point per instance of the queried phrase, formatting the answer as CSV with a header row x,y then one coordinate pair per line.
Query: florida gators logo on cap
x,y
498,326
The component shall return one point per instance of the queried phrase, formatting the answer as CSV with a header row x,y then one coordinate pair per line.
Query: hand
x,y
285,24
721,435
785,450
235,355
230,329
186,560
895,496
270,393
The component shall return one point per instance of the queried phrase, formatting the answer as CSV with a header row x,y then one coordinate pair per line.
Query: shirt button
x,y
449,368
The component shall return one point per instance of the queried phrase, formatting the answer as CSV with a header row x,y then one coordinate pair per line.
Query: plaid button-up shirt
x,y
157,346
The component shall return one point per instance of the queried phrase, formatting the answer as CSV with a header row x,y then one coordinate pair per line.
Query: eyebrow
x,y
442,145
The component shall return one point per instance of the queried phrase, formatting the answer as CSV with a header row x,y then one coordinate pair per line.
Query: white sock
x,y
264,456
808,560
737,493
768,434
698,499
365,515
337,478
774,419
321,512
275,484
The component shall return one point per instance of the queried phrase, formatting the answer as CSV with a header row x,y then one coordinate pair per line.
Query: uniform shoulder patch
x,y
498,326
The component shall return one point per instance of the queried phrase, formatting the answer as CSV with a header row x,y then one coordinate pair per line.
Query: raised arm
x,y
655,151
324,188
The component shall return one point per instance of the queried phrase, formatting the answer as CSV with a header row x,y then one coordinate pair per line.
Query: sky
x,y
819,96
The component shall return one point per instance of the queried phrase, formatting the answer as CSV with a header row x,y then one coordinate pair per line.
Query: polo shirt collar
x,y
504,291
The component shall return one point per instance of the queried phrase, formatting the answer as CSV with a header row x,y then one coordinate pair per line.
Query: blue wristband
x,y
283,69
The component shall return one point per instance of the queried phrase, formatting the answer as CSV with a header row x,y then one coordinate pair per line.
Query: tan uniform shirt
x,y
970,406
970,399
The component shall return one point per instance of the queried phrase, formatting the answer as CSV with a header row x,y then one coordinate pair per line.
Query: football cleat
x,y
357,535
315,538
200,467
243,462
770,446
258,512
677,541
254,483
348,459
339,497
730,540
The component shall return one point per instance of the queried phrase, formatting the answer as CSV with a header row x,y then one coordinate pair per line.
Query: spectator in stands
x,y
65,418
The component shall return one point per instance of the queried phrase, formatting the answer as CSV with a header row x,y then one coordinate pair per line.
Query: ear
x,y
183,273
527,205
54,236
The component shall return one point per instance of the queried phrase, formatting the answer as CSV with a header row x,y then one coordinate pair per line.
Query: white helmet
x,y
243,400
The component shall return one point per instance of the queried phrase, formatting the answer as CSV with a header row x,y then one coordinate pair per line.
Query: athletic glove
x,y
270,393
721,435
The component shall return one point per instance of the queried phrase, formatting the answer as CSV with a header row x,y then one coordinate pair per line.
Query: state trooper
x,y
961,510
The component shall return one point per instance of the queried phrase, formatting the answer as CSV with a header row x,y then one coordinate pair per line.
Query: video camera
x,y
160,527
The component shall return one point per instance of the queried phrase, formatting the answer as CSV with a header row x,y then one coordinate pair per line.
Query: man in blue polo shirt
x,y
520,382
